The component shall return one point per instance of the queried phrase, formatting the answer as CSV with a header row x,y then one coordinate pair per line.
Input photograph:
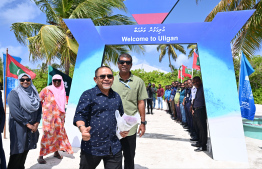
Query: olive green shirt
x,y
131,92
177,96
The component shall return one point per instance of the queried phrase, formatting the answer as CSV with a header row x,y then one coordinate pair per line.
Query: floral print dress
x,y
54,136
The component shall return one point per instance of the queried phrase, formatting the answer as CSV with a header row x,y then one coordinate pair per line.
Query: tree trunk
x,y
170,64
67,66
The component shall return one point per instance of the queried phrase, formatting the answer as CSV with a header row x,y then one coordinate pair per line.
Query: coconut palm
x,y
47,41
192,48
170,49
249,38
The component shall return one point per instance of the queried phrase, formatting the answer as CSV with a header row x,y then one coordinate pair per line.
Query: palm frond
x,y
113,20
96,8
47,43
45,6
24,30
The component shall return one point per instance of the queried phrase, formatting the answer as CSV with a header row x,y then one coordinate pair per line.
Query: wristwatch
x,y
80,127
144,122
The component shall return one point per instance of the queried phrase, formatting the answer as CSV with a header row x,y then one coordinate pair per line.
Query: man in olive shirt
x,y
132,91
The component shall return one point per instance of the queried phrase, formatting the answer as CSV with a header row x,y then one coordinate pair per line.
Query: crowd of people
x,y
186,105
95,116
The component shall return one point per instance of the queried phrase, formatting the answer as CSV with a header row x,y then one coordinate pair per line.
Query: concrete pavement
x,y
165,145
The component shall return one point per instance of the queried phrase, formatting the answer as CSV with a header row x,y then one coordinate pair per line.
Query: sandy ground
x,y
165,145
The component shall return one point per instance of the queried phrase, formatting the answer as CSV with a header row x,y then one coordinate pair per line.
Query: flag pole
x,y
178,74
192,73
5,91
181,72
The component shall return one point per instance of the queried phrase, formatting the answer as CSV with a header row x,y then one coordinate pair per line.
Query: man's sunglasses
x,y
56,80
27,79
109,76
123,62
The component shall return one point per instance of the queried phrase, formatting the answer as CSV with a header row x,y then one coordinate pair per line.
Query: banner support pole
x,y
5,91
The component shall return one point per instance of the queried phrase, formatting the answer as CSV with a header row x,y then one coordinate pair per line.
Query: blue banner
x,y
246,100
11,82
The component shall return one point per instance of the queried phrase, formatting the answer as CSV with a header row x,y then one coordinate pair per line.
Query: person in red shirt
x,y
160,94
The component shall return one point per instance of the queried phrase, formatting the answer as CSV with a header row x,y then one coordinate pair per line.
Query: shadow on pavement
x,y
50,163
163,136
137,166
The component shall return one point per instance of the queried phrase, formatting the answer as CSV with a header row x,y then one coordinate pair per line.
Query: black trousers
x,y
129,150
202,126
88,161
149,104
17,161
169,108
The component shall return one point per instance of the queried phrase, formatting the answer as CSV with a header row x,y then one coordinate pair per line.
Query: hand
x,y
124,133
35,127
141,130
193,112
178,104
85,133
191,108
31,127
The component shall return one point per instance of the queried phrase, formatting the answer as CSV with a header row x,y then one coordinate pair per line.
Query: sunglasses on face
x,y
27,79
123,62
56,80
109,76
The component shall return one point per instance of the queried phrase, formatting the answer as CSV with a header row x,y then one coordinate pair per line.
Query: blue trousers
x,y
160,101
189,115
183,113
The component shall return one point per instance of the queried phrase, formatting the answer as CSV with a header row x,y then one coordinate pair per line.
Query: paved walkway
x,y
165,145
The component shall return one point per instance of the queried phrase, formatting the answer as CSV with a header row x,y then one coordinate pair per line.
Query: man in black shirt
x,y
199,111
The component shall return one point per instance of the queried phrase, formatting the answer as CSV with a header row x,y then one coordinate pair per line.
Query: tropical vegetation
x,y
249,38
170,50
54,40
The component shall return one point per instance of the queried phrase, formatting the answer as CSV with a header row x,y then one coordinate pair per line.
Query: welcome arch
x,y
217,69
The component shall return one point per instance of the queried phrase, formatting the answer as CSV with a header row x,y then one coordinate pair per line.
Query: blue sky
x,y
26,11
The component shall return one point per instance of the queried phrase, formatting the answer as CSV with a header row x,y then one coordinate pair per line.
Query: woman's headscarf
x,y
59,93
29,98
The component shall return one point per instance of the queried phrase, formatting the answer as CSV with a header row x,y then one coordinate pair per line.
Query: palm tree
x,y
170,50
249,38
47,41
192,48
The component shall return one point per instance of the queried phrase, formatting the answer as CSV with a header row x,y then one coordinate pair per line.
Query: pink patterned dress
x,y
54,136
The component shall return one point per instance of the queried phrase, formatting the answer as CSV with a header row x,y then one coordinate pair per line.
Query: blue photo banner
x,y
217,69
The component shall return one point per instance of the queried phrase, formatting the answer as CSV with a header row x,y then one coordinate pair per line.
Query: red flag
x,y
179,75
196,63
185,72
14,68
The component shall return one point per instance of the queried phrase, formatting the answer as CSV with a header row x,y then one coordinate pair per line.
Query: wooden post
x,y
5,92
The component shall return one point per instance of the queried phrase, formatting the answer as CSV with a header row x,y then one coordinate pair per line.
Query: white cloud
x,y
5,2
134,60
182,59
150,48
13,50
21,12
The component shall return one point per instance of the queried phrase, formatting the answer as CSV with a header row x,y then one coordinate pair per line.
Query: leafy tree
x,y
249,38
170,50
47,41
